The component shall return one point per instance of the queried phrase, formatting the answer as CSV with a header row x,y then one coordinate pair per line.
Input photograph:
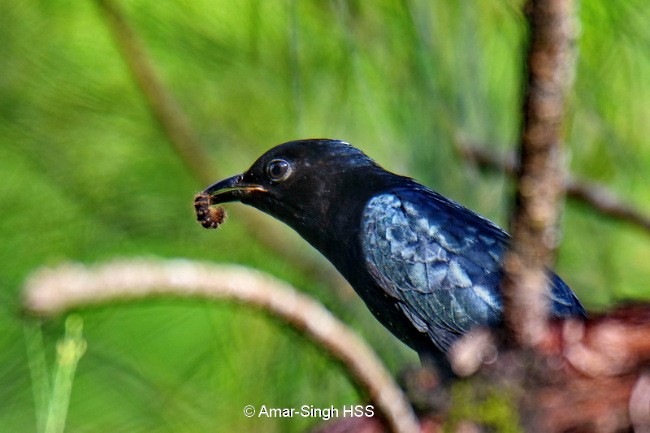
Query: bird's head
x,y
308,184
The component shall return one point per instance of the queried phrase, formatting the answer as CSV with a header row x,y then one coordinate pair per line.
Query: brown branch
x,y
591,376
591,194
53,291
607,203
540,185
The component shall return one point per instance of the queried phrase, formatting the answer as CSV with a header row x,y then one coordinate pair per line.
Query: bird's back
x,y
440,263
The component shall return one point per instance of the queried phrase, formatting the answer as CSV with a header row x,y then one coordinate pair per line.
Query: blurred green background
x,y
88,175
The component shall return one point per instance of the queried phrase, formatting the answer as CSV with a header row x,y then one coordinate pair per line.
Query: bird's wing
x,y
440,261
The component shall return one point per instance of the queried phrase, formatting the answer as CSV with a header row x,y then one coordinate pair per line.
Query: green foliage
x,y
485,405
88,175
69,351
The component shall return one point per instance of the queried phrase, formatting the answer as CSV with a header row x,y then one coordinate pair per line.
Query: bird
x,y
426,267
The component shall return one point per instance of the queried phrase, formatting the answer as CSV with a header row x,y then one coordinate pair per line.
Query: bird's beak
x,y
231,189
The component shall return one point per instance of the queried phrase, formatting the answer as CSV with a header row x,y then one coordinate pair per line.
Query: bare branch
x,y
540,185
53,291
607,203
590,375
591,194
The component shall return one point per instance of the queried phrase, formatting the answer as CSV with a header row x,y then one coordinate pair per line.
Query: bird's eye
x,y
278,170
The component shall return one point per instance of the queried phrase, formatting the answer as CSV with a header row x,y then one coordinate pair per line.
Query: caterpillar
x,y
209,217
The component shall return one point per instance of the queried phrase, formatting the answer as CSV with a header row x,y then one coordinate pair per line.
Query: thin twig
x,y
52,291
596,196
540,185
607,203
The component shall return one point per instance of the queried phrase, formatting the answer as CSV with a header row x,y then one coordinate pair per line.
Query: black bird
x,y
426,267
